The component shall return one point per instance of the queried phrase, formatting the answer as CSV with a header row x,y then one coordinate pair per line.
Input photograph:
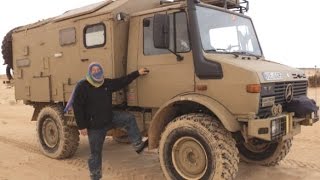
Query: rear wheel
x,y
264,153
56,139
197,146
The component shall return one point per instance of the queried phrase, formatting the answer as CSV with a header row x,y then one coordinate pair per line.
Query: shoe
x,y
144,144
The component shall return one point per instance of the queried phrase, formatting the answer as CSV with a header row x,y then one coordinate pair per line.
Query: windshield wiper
x,y
246,53
220,50
217,50
210,50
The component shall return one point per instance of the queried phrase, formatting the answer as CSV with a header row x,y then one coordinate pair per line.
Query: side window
x,y
95,35
67,36
179,39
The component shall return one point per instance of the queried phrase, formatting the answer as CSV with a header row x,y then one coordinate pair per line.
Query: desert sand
x,y
20,157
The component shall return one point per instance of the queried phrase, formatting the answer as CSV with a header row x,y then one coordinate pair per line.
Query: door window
x,y
179,38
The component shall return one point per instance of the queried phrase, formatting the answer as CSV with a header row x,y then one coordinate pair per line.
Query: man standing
x,y
92,105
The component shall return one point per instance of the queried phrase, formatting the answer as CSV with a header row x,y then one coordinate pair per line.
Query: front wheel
x,y
197,146
264,153
56,139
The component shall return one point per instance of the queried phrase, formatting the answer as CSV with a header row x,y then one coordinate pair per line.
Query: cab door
x,y
168,75
96,43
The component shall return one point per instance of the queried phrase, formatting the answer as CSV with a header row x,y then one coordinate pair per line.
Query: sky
x,y
289,32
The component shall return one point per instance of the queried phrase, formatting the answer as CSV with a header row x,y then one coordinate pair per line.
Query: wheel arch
x,y
189,103
38,106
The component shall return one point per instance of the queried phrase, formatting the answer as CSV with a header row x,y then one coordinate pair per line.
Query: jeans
x,y
97,136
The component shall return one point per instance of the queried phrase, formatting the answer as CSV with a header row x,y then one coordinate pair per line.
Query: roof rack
x,y
240,6
228,4
243,6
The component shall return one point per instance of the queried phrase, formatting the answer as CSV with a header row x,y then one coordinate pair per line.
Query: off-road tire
x,y
271,155
207,134
56,139
6,50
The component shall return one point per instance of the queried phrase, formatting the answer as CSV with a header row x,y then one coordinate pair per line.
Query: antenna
x,y
316,83
166,1
225,4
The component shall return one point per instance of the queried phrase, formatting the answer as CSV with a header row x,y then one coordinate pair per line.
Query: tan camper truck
x,y
210,97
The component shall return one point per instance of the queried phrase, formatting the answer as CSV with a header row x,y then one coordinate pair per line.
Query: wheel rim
x,y
189,158
50,133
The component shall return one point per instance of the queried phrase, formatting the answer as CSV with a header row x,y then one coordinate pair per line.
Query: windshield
x,y
226,33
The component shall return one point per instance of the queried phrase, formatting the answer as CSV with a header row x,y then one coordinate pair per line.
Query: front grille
x,y
299,89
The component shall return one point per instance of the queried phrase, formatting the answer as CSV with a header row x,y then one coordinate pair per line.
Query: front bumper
x,y
283,126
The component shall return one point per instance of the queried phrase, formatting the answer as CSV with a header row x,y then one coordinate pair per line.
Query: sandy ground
x,y
20,157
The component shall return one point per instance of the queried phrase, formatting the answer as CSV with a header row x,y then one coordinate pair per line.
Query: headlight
x,y
275,127
267,89
278,128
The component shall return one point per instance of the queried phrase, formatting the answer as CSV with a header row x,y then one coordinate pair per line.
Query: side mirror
x,y
161,31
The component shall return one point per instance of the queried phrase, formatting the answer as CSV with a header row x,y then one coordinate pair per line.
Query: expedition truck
x,y
210,99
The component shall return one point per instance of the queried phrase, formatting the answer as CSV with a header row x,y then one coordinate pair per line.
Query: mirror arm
x,y
179,57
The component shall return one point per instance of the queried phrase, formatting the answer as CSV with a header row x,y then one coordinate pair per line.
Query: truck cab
x,y
208,59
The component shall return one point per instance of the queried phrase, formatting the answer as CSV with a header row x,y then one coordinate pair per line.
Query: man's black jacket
x,y
93,106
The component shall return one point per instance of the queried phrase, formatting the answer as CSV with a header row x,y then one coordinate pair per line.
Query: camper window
x,y
95,35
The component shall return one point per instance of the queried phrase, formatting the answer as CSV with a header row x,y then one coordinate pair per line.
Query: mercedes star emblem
x,y
289,93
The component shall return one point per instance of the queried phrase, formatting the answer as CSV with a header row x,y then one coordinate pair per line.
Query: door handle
x,y
84,60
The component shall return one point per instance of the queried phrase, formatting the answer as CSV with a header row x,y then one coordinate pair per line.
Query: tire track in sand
x,y
34,149
118,173
21,145
291,163
82,163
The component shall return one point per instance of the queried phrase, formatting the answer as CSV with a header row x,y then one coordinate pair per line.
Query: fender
x,y
165,114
